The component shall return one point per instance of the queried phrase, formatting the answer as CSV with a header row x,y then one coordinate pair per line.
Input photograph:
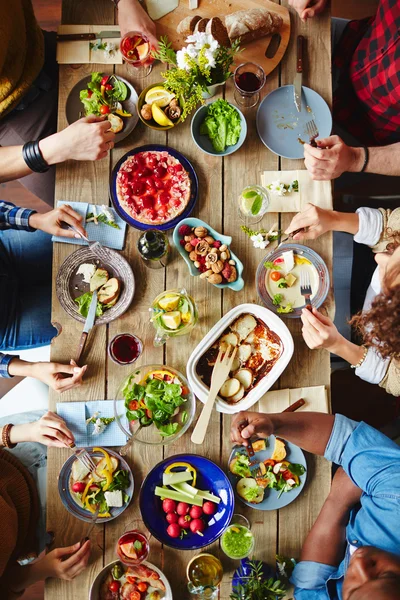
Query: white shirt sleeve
x,y
370,226
374,367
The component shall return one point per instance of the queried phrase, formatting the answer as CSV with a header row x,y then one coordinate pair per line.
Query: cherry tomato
x,y
108,87
142,586
90,93
275,276
133,405
104,109
185,390
136,596
131,579
104,80
149,414
114,586
269,462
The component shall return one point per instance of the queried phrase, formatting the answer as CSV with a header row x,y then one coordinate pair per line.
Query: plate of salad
x,y
110,485
159,405
276,479
105,95
219,128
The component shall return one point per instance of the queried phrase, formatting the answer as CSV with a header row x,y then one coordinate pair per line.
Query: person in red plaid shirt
x,y
366,103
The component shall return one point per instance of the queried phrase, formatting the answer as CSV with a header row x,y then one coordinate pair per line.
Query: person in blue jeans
x,y
353,549
25,291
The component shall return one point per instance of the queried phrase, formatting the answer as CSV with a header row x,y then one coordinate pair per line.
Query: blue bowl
x,y
72,507
194,192
210,478
225,239
203,141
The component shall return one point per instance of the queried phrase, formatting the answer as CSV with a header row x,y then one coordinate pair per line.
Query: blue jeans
x,y
25,290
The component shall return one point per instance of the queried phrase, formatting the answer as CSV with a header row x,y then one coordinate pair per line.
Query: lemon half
x,y
160,117
159,95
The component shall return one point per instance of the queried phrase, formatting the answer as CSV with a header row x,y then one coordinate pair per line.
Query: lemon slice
x,y
247,204
159,95
171,320
169,302
160,117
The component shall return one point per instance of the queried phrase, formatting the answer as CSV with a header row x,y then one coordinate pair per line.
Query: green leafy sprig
x,y
256,587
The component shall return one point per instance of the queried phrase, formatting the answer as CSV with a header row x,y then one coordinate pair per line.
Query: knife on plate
x,y
78,37
298,79
88,326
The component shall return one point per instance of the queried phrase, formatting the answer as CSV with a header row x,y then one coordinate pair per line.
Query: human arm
x,y
58,376
307,9
316,221
15,217
50,430
86,139
133,17
333,157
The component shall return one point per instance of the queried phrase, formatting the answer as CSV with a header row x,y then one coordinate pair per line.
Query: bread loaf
x,y
217,29
186,26
252,24
201,25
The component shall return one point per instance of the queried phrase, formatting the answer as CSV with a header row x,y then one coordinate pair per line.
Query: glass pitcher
x,y
173,313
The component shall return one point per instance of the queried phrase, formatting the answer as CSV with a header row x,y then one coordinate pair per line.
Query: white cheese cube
x,y
114,498
288,259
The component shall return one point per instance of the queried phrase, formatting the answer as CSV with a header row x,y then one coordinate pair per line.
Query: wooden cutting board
x,y
254,51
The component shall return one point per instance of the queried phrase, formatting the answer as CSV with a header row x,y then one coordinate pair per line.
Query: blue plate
x,y
271,500
203,141
280,126
209,478
225,239
186,165
65,494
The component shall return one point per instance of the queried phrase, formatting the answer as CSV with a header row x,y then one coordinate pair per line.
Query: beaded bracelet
x,y
5,436
33,157
364,356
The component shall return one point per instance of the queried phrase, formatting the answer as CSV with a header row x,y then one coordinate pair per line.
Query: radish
x,y
182,509
78,487
196,512
209,508
184,521
174,530
197,526
172,517
169,505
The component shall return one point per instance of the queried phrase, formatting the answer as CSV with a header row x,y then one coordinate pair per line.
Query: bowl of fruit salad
x,y
159,405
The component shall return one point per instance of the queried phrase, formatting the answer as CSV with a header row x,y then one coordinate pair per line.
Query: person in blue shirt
x,y
353,550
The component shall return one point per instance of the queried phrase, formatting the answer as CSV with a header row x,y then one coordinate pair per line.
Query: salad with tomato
x,y
104,95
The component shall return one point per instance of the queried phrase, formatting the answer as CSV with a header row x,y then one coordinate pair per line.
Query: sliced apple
x,y
245,376
229,388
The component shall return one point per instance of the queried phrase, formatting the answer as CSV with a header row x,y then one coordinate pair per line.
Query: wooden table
x,y
221,181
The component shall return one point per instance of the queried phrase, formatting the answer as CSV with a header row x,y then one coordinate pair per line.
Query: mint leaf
x,y
257,204
138,545
249,194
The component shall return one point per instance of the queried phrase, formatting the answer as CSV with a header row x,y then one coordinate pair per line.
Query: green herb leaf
x,y
137,545
249,194
277,299
282,283
257,204
296,469
270,265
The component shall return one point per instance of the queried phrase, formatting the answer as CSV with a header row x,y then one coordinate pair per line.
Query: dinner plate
x,y
74,107
69,285
65,494
305,252
209,478
280,126
271,500
193,190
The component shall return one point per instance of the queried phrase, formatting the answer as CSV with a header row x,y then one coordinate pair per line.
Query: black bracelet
x,y
33,157
366,159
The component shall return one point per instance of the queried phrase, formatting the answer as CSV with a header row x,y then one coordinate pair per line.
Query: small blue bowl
x,y
203,141
225,239
209,478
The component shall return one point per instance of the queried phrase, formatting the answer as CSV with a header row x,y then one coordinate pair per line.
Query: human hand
x,y
52,374
86,139
307,9
254,424
54,564
133,17
50,430
319,331
314,220
50,222
332,158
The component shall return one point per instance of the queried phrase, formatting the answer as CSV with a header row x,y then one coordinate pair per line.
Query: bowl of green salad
x,y
159,405
219,128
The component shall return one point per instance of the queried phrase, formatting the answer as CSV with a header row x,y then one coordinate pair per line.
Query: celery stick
x,y
185,488
178,496
180,477
208,496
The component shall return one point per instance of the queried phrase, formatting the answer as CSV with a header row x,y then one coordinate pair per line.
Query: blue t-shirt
x,y
372,461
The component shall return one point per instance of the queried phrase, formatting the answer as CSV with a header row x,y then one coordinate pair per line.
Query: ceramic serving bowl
x,y
225,239
152,124
275,324
203,141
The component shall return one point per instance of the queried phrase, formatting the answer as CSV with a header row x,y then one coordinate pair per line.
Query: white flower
x,y
192,51
277,188
259,241
210,56
181,59
99,427
201,39
109,49
94,416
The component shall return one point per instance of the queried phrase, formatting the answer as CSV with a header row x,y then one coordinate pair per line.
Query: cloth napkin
x,y
316,398
76,413
105,234
72,53
316,192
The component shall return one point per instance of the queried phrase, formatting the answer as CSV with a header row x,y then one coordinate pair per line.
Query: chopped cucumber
x,y
178,496
185,488
208,496
174,478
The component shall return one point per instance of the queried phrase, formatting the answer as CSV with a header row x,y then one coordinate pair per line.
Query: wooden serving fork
x,y
219,375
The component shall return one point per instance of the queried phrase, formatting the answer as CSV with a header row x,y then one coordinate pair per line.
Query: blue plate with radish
x,y
186,502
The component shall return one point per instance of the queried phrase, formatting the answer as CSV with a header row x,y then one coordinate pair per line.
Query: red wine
x,y
125,348
248,82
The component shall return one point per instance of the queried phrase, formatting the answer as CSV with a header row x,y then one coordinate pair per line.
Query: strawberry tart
x,y
153,187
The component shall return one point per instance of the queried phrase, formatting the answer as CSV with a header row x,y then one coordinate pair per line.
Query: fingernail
x,y
77,370
77,236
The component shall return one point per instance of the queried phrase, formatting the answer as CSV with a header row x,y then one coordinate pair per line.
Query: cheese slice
x,y
193,4
288,259
159,8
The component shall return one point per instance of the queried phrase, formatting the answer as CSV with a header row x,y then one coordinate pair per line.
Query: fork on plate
x,y
83,455
312,132
95,247
305,288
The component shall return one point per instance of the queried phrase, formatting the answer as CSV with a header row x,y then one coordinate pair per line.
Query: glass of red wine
x,y
125,348
136,49
249,78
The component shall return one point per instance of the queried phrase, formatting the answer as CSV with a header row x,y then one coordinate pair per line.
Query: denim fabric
x,y
372,461
25,290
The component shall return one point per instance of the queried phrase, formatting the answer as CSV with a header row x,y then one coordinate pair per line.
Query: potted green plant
x,y
254,580
196,70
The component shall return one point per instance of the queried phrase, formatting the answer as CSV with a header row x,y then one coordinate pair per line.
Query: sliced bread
x,y
187,26
217,29
252,24
201,25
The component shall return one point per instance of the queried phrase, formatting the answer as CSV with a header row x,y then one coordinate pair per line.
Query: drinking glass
x,y
136,52
133,547
253,203
249,78
173,313
125,348
204,573
237,541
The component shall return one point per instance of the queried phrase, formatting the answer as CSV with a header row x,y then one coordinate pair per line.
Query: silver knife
x,y
78,37
298,79
88,326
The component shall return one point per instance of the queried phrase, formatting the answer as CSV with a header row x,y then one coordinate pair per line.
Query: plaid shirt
x,y
367,101
4,362
14,217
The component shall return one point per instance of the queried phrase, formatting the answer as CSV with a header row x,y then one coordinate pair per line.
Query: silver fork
x,y
312,132
305,287
95,247
83,455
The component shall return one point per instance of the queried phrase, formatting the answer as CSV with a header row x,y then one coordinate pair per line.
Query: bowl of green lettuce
x,y
219,128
